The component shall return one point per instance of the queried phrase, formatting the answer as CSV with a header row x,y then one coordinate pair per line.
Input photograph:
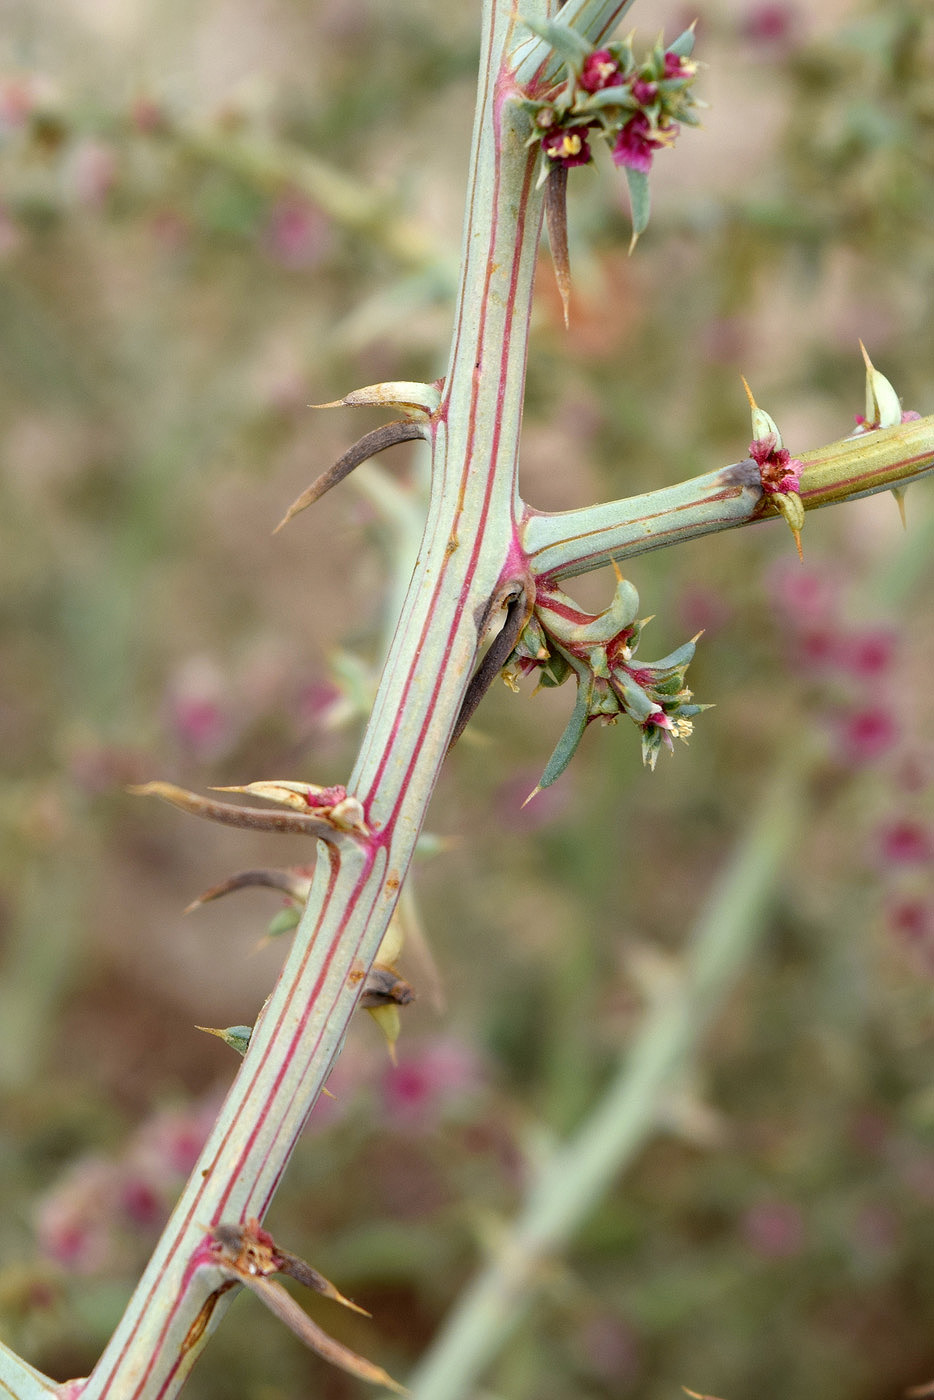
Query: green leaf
x,y
610,97
681,656
284,921
567,43
639,202
638,705
573,733
683,46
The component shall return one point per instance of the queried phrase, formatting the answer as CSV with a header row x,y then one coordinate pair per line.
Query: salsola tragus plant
x,y
488,596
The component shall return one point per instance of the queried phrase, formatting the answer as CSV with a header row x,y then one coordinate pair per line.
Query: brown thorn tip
x,y
534,793
866,360
752,402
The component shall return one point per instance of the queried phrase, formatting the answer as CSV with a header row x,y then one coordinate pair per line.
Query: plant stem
x,y
579,1173
468,563
572,542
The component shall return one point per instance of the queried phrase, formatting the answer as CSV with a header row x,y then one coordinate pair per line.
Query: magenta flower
x,y
678,67
906,842
644,92
778,470
774,1229
869,653
637,143
867,734
912,921
567,146
600,70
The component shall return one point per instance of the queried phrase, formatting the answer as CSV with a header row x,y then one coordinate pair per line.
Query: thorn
x,y
534,793
866,360
752,405
899,492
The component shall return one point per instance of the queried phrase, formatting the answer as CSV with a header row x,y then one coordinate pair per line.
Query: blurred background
x,y
211,216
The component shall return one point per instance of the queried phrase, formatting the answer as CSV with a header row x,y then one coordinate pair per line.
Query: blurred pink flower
x,y
866,734
198,711
92,171
94,1216
867,654
611,1349
774,1229
426,1080
75,1220
802,595
702,608
911,919
906,842
770,23
297,234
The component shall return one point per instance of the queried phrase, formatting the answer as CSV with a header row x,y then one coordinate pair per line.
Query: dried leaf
x,y
366,447
556,220
294,882
253,818
284,1306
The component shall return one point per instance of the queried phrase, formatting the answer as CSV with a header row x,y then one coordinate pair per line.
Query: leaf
x,y
683,46
297,1320
639,202
556,219
573,733
228,814
610,97
566,42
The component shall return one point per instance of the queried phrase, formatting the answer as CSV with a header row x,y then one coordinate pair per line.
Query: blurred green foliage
x,y
213,215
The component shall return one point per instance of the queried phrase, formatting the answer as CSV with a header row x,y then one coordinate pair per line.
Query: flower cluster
x,y
635,105
778,470
561,639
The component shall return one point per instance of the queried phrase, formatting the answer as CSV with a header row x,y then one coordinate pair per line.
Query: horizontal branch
x,y
573,542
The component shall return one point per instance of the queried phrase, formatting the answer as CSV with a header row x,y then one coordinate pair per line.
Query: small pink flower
x,y
817,647
141,1203
644,92
866,734
75,1220
297,234
197,708
416,1090
774,1229
637,143
802,595
600,70
778,470
92,172
912,920
868,654
567,146
906,842
770,23
677,66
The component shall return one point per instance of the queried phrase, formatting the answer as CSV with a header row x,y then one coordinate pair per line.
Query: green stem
x,y
580,1172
